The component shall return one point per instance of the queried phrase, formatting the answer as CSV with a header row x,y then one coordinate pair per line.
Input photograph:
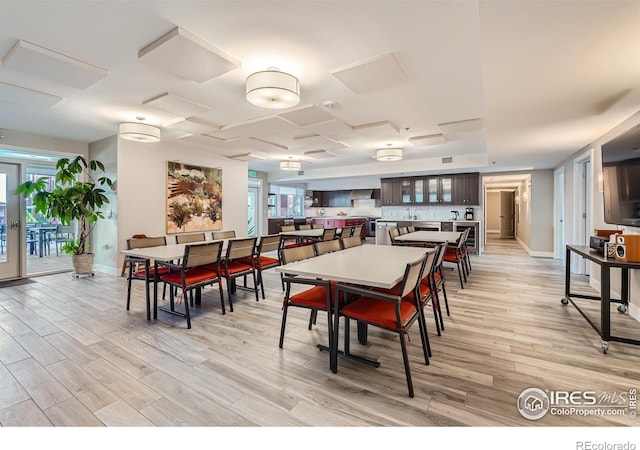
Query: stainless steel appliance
x,y
370,226
426,226
468,215
382,232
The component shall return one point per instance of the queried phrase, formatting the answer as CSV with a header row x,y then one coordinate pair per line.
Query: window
x,y
289,201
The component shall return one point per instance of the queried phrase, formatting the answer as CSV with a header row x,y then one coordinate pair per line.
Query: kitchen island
x,y
343,221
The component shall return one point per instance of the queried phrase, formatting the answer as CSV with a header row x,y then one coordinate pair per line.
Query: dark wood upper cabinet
x,y
453,189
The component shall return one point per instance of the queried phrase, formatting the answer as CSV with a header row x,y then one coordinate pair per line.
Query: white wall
x,y
142,178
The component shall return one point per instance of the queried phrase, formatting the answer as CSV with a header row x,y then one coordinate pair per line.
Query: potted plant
x,y
77,196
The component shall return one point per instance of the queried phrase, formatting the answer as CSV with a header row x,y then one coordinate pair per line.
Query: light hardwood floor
x,y
71,355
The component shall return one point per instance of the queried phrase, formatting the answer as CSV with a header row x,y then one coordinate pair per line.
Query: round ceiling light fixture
x,y
290,165
140,132
272,89
389,154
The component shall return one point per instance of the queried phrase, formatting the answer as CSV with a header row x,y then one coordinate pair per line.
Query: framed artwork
x,y
194,198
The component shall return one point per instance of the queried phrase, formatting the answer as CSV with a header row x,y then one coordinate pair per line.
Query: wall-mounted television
x,y
621,179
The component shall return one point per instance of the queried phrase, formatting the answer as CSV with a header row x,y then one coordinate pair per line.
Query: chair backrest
x,y
188,238
403,230
329,234
429,263
347,231
304,227
357,231
317,225
293,254
288,228
352,241
241,248
146,242
411,228
412,276
393,234
224,235
269,243
323,247
66,230
200,254
441,250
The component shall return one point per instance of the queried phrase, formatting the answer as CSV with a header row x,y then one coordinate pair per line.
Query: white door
x,y
506,215
10,248
253,225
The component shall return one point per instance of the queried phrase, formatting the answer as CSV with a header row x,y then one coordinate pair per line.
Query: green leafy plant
x,y
71,199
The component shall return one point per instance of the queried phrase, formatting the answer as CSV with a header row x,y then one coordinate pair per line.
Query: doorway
x,y
507,208
558,220
582,209
10,248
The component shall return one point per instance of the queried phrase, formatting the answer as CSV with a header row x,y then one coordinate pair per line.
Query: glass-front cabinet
x,y
439,189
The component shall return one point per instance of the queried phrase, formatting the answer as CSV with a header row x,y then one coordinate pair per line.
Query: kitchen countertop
x,y
426,220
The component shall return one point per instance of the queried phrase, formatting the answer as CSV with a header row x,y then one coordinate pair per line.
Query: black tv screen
x,y
621,179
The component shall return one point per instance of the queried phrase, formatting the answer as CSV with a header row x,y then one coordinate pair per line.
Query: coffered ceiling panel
x,y
372,75
19,95
176,105
307,115
42,62
183,54
263,126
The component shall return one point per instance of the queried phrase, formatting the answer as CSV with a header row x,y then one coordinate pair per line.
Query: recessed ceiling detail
x,y
461,126
431,139
263,126
314,141
19,95
194,125
376,130
187,56
307,115
48,64
319,154
176,105
372,75
246,156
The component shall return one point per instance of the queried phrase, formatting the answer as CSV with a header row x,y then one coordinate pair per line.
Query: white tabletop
x,y
369,265
312,233
166,252
429,236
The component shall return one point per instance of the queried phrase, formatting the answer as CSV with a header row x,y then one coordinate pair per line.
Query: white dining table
x,y
429,236
368,265
381,266
313,233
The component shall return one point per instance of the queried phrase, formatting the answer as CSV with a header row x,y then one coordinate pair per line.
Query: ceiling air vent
x,y
447,159
300,172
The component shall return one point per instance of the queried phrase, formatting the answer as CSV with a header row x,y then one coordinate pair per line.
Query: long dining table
x,y
436,237
368,265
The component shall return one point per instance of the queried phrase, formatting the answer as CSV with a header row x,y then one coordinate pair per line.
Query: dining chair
x,y
289,243
317,226
304,227
357,231
63,234
393,234
345,232
190,238
352,241
223,235
392,311
323,247
328,234
140,268
199,267
454,255
439,280
239,262
268,245
318,296
428,293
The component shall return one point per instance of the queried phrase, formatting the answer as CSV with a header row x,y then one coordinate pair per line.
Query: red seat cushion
x,y
192,276
315,298
235,267
263,262
141,273
378,312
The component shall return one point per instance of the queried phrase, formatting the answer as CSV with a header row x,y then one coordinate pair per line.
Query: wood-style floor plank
x,y
72,355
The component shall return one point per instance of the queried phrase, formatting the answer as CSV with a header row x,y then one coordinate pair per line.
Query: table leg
x,y
605,310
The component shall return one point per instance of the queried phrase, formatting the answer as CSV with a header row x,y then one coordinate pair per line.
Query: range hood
x,y
361,194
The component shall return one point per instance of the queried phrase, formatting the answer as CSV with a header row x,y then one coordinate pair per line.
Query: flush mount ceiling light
x,y
389,154
273,89
290,165
140,132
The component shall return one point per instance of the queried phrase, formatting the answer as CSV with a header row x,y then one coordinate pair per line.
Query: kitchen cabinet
x,y
390,191
439,189
334,199
466,189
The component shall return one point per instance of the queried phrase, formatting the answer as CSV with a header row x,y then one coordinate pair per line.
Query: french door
x,y
10,248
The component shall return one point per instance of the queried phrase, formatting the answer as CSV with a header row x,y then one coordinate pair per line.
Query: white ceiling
x,y
544,78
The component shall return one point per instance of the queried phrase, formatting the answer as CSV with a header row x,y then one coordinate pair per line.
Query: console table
x,y
604,328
